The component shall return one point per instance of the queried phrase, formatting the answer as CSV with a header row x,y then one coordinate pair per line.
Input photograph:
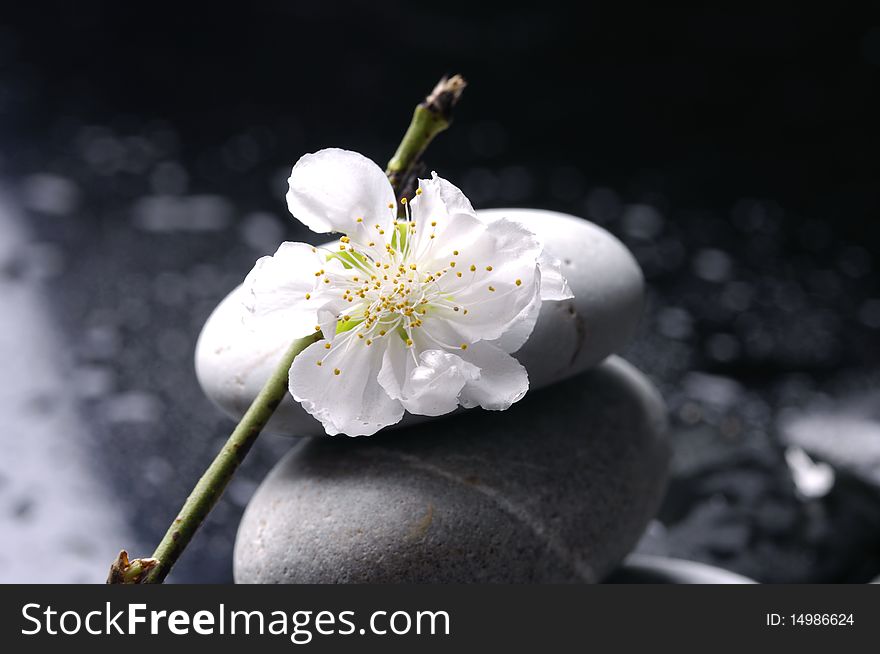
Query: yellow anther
x,y
464,346
473,268
336,371
519,282
308,296
458,274
381,231
409,342
455,253
418,191
402,200
489,268
345,239
318,363
433,236
369,342
465,312
433,223
390,205
452,264
371,244
317,328
359,220
346,318
492,288
382,332
327,346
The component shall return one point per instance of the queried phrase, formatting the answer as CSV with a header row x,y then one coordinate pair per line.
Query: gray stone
x,y
556,489
646,569
845,434
569,337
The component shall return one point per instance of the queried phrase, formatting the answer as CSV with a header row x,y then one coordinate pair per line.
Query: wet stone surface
x,y
555,490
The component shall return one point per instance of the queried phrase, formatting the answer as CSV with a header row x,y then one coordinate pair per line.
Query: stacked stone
x,y
558,488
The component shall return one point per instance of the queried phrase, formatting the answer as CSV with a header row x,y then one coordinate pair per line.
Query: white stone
x,y
569,337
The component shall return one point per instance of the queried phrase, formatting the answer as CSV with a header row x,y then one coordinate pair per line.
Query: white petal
x,y
553,287
502,381
432,388
505,280
351,402
441,197
553,283
519,330
275,292
397,362
441,210
332,188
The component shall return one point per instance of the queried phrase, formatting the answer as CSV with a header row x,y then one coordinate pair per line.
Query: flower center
x,y
391,285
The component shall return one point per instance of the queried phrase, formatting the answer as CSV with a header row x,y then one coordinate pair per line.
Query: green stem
x,y
215,479
431,117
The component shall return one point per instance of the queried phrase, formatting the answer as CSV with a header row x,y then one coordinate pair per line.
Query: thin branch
x,y
431,116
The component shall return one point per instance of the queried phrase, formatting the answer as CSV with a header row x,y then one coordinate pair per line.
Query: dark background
x,y
734,150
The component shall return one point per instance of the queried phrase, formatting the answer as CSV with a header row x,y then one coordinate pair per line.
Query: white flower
x,y
417,314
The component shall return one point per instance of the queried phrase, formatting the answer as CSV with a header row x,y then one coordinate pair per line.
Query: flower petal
x,y
433,387
430,388
396,366
554,286
500,279
444,219
332,188
502,381
349,401
440,197
281,293
519,330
